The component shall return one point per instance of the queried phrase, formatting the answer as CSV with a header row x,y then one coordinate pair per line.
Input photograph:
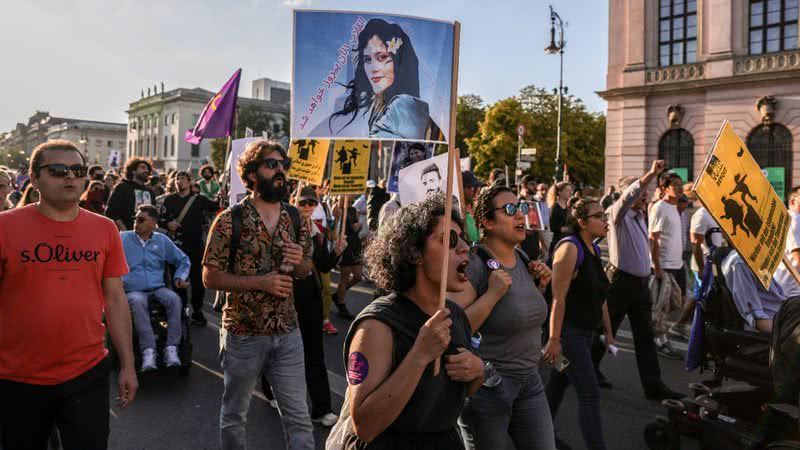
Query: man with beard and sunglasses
x,y
260,333
61,271
130,194
184,214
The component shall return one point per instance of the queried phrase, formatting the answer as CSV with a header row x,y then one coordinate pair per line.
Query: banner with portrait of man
x,y
405,153
424,178
371,76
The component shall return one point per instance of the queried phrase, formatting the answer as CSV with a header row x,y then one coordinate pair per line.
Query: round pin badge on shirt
x,y
493,264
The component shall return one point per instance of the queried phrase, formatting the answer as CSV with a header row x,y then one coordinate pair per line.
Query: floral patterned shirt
x,y
255,313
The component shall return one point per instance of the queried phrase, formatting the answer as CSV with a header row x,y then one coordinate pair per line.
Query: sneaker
x,y
328,328
148,360
328,420
342,311
171,356
603,382
680,332
198,318
667,351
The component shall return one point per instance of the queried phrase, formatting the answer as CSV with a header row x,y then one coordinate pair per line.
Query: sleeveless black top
x,y
587,292
428,420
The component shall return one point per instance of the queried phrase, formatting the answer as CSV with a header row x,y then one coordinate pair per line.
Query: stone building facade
x,y
678,68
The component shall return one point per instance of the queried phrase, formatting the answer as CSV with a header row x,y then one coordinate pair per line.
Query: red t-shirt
x,y
51,293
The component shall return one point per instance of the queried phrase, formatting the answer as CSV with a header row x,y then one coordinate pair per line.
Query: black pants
x,y
78,407
629,295
195,254
308,303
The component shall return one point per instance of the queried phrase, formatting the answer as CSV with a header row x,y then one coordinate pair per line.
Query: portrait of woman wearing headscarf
x,y
384,95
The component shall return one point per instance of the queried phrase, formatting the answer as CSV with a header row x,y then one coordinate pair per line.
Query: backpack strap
x,y
294,214
574,240
236,234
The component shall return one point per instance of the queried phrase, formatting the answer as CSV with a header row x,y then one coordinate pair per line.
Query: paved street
x,y
172,412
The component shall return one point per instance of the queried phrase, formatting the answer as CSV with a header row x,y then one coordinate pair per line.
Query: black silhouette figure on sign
x,y
305,146
742,188
734,212
344,165
740,153
353,156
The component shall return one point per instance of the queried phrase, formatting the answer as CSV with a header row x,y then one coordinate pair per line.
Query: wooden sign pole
x,y
343,220
460,186
449,195
790,267
297,194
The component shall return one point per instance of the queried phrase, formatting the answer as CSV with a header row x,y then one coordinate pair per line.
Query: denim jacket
x,y
146,262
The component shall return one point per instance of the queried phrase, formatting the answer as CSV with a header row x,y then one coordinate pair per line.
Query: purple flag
x,y
217,117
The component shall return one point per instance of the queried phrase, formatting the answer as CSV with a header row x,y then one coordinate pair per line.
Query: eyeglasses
x,y
599,215
307,203
511,209
60,170
454,237
272,163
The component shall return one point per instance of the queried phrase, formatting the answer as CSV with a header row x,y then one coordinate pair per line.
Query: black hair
x,y
578,209
406,71
430,168
150,210
392,257
133,164
484,204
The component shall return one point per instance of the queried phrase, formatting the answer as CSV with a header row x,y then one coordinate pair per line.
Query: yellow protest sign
x,y
350,167
308,160
741,199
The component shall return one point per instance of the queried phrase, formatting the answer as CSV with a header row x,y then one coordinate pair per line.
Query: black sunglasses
x,y
511,209
307,203
454,237
60,170
598,215
272,163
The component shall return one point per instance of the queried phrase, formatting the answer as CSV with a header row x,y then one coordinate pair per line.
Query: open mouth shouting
x,y
461,270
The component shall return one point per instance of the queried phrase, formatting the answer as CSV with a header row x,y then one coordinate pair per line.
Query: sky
x,y
89,59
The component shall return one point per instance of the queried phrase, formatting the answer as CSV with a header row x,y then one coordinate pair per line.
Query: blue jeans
x,y
516,408
137,300
280,358
576,345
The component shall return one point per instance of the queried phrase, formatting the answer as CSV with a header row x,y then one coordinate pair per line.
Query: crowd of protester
x,y
532,309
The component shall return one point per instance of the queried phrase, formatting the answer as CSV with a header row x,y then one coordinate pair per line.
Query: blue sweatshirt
x,y
146,261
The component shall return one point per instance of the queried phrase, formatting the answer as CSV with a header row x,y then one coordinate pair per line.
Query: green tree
x,y
253,118
582,143
470,111
14,158
217,153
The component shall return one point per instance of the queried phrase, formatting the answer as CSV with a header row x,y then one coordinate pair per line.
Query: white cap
x,y
370,184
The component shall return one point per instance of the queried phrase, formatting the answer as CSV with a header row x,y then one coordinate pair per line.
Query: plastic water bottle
x,y
492,377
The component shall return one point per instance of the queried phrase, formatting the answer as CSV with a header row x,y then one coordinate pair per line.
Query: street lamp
x,y
552,49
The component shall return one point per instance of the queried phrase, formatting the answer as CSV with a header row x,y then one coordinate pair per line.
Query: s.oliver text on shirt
x,y
45,253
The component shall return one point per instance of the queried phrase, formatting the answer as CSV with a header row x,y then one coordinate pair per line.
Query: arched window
x,y
771,146
676,148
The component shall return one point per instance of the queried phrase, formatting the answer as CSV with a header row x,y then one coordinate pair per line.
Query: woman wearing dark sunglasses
x,y
505,304
578,309
394,398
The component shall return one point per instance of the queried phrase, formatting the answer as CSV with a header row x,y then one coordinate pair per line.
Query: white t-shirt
x,y
782,275
701,223
664,218
319,214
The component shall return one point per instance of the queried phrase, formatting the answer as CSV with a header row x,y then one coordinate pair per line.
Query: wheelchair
x,y
158,320
741,415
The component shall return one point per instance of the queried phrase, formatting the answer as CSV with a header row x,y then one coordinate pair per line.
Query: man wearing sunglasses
x,y
260,334
130,194
60,274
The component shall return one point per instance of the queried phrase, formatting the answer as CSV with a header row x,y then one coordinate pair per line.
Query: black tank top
x,y
428,420
587,292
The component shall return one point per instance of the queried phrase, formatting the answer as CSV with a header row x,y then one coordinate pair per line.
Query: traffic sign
x,y
520,130
523,165
528,151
